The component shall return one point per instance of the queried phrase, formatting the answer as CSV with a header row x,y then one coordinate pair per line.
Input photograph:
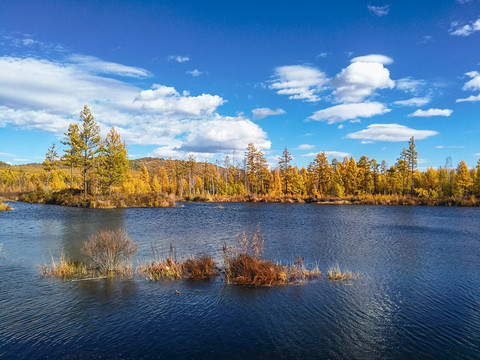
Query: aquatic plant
x,y
166,269
109,250
335,273
4,207
199,267
298,272
64,268
243,264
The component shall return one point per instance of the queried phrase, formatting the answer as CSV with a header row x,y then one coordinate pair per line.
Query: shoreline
x,y
74,198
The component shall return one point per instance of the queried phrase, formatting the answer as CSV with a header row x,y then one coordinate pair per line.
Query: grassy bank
x,y
403,200
75,198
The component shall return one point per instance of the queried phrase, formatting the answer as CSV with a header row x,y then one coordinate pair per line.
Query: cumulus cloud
x,y
431,112
379,10
390,133
305,147
167,100
344,112
465,30
261,113
299,82
359,80
48,96
415,101
375,58
178,58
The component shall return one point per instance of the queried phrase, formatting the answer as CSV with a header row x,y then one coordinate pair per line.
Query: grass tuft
x,y
64,268
335,273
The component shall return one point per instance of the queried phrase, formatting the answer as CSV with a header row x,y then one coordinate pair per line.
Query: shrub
x,y
109,250
244,266
199,267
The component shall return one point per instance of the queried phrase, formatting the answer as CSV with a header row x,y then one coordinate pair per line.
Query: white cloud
x,y
471,98
450,147
431,112
305,147
343,112
167,100
261,113
379,10
27,42
409,85
323,54
178,58
375,58
474,83
359,80
331,154
465,30
415,101
390,133
299,81
48,96
96,65
195,72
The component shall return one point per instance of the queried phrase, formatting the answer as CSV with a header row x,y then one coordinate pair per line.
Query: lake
x,y
418,295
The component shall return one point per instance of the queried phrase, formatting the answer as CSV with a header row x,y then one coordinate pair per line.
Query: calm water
x,y
418,297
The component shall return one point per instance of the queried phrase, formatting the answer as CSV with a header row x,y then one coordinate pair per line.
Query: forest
x,y
92,171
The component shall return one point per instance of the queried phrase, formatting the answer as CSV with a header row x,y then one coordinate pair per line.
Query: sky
x,y
205,78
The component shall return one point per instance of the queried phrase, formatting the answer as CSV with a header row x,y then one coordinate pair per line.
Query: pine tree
x,y
72,152
50,162
89,144
284,165
114,161
411,159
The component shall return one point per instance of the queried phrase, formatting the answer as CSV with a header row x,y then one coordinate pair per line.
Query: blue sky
x,y
175,78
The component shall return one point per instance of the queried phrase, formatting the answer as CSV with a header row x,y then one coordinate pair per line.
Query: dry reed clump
x,y
335,273
109,250
64,268
244,266
4,207
199,267
298,272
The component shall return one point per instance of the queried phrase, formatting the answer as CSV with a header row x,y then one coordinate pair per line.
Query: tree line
x,y
97,166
